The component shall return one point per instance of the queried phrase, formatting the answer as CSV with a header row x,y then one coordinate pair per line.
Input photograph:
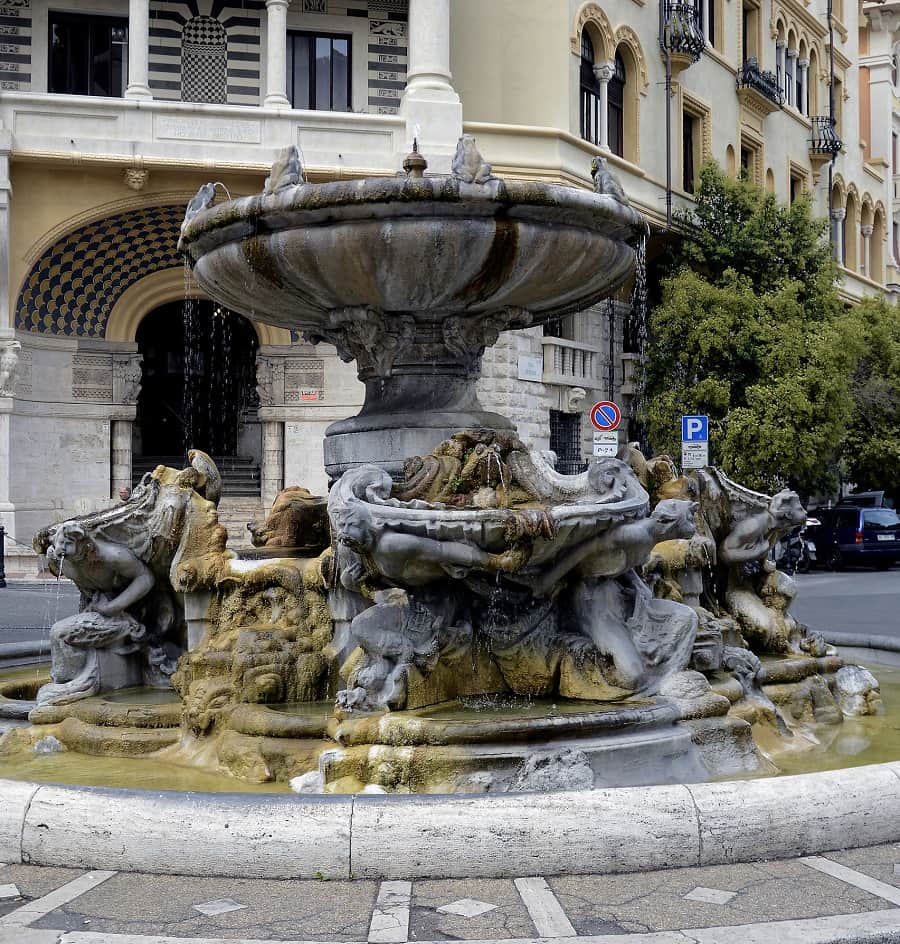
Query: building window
x,y
204,61
318,71
750,31
796,187
616,108
565,441
590,92
706,19
88,55
689,140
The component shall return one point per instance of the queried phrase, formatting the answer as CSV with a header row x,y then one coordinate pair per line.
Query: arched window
x,y
851,235
876,249
616,108
204,61
590,92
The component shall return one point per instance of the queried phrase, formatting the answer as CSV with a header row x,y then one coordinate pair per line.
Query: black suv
x,y
851,534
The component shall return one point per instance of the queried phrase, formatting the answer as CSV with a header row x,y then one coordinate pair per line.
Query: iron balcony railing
x,y
824,138
766,83
682,31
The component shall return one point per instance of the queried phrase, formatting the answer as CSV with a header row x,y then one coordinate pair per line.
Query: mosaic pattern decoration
x,y
204,61
74,286
15,45
182,74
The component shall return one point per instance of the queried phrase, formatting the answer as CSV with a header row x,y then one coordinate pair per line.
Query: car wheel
x,y
834,560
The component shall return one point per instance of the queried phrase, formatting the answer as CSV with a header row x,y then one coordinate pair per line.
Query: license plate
x,y
887,537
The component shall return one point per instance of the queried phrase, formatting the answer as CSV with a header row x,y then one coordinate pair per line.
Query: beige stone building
x,y
114,112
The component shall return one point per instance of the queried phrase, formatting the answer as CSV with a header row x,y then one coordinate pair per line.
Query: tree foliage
x,y
751,330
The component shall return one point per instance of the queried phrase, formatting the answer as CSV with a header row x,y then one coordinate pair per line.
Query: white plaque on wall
x,y
531,367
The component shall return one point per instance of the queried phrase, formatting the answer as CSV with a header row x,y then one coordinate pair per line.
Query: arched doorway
x,y
198,386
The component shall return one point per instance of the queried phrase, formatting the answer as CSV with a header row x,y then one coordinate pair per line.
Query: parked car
x,y
851,534
867,500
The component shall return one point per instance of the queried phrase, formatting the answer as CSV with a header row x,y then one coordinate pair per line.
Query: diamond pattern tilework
x,y
467,907
710,896
219,906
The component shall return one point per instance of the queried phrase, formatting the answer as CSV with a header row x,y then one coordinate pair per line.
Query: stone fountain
x,y
457,616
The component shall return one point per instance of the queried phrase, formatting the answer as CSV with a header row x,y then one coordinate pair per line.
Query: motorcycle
x,y
794,553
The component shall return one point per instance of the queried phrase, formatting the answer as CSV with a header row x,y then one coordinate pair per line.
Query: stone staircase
x,y
240,474
235,512
240,501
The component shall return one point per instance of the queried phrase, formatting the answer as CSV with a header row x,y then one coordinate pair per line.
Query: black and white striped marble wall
x,y
206,50
15,45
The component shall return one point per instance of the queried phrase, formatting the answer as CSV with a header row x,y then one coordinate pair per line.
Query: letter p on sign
x,y
694,428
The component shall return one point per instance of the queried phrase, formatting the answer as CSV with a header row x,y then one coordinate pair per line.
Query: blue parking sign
x,y
695,429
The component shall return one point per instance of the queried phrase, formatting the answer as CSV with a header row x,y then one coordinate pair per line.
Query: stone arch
x,y
155,290
770,180
814,80
877,244
204,61
730,161
631,135
628,39
592,18
839,190
851,230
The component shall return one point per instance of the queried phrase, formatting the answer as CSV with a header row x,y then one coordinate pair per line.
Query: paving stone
x,y
656,901
9,891
507,918
32,882
881,862
276,910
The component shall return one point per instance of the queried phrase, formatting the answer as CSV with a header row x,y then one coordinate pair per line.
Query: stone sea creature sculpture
x,y
287,171
468,165
202,200
298,519
752,537
130,626
606,182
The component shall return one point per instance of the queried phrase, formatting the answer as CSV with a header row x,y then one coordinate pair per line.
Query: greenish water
x,y
856,742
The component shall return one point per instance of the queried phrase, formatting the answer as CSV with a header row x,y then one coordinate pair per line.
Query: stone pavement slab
x,y
849,898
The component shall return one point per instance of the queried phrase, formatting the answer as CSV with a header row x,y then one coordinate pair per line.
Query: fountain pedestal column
x,y
420,383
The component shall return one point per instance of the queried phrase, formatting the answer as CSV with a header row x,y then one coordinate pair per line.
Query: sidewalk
x,y
842,897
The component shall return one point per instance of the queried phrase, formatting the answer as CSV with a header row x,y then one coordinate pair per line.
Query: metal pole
x,y
2,563
830,16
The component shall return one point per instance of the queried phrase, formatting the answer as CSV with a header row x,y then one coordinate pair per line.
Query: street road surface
x,y
851,601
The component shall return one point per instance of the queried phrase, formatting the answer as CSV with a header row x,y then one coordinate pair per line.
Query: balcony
x,y
682,35
572,364
758,89
824,140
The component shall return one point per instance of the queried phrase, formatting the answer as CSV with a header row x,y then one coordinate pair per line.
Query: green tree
x,y
751,330
872,448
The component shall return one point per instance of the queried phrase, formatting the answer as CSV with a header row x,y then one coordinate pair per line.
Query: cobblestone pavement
x,y
849,896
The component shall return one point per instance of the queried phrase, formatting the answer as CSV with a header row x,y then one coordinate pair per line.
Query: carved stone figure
x,y
202,200
130,627
287,171
127,376
298,519
468,164
9,367
751,538
606,182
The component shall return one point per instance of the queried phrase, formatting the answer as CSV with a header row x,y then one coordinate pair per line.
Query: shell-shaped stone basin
x,y
433,247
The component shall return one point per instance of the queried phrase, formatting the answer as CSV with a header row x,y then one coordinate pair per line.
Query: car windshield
x,y
880,518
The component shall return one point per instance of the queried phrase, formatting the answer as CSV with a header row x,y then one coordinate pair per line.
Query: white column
x,y
138,49
780,61
604,73
837,219
7,337
276,54
120,437
803,104
430,105
272,461
867,231
790,80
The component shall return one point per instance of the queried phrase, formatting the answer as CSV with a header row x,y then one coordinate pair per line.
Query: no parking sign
x,y
606,416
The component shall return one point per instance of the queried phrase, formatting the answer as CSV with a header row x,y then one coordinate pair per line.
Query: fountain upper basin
x,y
432,247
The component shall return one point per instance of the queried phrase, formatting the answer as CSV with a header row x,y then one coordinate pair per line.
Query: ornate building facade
x,y
111,359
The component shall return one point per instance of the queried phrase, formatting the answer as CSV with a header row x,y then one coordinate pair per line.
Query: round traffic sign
x,y
605,416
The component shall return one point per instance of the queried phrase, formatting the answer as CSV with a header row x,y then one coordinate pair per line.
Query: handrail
x,y
766,83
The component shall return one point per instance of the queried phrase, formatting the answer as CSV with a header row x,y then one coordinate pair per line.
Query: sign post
x,y
694,442
605,418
